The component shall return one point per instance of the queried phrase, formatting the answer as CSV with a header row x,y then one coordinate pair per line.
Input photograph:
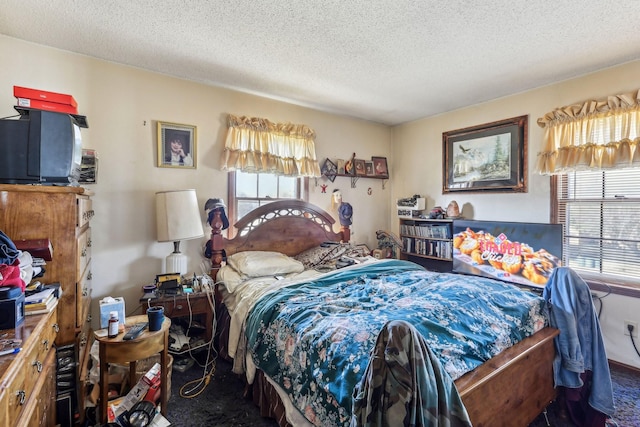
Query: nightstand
x,y
117,350
196,305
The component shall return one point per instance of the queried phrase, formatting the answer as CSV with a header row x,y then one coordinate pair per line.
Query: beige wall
x,y
417,156
122,105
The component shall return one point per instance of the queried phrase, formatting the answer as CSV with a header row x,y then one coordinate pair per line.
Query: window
x,y
600,211
247,191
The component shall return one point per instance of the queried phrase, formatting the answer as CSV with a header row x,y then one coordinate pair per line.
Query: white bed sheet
x,y
246,294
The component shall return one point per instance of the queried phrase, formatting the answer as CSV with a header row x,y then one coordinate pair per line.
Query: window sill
x,y
628,290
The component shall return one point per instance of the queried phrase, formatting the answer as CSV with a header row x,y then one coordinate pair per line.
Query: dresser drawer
x,y
83,244
83,298
48,336
180,306
15,396
39,349
39,411
84,339
85,210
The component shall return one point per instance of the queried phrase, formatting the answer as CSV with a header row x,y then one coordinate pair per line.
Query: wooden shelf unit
x,y
427,242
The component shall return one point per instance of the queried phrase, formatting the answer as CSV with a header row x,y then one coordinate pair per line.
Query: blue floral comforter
x,y
314,339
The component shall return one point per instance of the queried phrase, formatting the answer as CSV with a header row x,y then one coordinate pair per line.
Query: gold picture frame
x,y
177,145
360,170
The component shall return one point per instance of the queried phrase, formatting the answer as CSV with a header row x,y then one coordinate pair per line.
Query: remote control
x,y
135,331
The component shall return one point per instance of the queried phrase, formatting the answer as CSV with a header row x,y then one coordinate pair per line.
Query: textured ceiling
x,y
388,61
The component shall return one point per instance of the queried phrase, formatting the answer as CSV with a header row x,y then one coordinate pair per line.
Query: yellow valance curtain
x,y
258,145
598,134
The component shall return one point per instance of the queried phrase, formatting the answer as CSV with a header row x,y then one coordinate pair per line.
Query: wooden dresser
x,y
63,215
28,378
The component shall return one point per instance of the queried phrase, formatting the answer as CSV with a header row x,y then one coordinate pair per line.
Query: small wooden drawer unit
x,y
27,378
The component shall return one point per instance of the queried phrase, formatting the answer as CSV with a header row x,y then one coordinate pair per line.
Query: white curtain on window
x,y
597,134
258,145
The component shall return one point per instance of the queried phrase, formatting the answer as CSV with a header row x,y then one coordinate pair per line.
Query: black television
x,y
41,147
518,252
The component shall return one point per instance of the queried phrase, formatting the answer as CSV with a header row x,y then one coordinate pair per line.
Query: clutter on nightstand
x,y
109,304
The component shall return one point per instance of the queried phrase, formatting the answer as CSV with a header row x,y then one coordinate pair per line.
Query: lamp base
x,y
176,262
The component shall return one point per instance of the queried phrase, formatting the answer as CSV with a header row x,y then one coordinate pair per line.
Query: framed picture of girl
x,y
380,167
176,145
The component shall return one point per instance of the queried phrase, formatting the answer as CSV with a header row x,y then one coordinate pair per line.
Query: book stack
x,y
41,302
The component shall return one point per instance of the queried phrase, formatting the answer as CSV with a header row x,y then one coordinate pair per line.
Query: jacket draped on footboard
x,y
405,385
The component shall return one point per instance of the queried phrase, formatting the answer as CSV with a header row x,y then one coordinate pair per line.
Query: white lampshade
x,y
178,219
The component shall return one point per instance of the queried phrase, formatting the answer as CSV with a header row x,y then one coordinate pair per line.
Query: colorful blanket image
x,y
315,339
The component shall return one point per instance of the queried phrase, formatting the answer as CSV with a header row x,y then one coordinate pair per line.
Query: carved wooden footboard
x,y
509,390
514,387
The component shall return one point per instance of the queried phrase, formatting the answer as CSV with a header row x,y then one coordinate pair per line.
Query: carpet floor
x,y
221,403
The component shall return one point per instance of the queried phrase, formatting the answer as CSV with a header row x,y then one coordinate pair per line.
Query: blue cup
x,y
156,317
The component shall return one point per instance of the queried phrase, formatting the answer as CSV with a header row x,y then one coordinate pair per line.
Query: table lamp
x,y
178,219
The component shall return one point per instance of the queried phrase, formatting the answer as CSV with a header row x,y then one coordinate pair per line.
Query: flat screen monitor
x,y
516,252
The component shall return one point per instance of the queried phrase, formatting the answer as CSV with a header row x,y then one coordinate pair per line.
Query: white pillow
x,y
263,263
229,277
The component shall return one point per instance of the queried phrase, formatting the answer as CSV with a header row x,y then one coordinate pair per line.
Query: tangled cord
x,y
198,385
633,341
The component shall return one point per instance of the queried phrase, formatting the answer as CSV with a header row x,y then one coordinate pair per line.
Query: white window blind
x,y
600,210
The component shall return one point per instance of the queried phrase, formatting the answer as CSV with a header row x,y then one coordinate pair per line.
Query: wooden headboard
x,y
286,226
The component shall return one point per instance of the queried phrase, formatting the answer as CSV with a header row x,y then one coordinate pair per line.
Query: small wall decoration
x,y
340,163
360,170
486,158
350,165
329,169
368,167
176,145
380,167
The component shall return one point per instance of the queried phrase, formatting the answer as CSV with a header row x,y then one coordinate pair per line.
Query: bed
x,y
511,388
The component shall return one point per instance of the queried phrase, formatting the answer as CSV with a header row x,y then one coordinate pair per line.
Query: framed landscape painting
x,y
486,158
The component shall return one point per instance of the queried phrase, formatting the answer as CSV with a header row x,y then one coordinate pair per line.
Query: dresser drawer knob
x,y
89,276
89,242
45,344
56,327
89,318
84,252
38,365
22,397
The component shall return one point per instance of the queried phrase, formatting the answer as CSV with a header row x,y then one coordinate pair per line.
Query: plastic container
x,y
113,324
